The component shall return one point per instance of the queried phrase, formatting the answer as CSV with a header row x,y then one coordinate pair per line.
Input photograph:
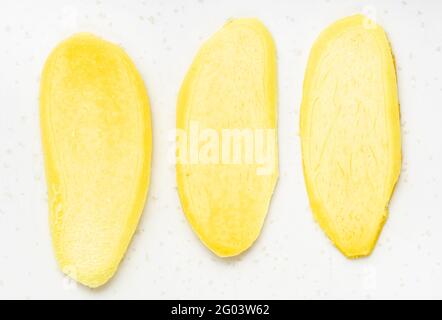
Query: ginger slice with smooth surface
x,y
229,93
96,133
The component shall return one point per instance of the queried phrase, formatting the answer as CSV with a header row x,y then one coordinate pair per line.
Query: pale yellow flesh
x,y
350,133
231,84
96,133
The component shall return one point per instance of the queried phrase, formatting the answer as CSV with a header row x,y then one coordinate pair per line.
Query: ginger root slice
x,y
230,89
97,141
350,132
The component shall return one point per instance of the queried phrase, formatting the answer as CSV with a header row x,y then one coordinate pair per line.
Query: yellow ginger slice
x,y
227,104
96,133
350,133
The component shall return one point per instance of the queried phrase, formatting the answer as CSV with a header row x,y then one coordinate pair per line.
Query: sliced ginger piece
x,y
230,85
350,133
96,133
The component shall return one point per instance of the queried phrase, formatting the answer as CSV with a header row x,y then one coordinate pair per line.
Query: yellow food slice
x,y
230,85
96,133
350,132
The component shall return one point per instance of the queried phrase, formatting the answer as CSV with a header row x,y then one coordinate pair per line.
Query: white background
x,y
292,258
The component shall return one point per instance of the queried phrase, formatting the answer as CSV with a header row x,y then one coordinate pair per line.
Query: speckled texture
x,y
292,258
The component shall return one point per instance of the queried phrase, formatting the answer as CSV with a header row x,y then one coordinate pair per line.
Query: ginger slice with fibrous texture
x,y
228,103
96,133
350,132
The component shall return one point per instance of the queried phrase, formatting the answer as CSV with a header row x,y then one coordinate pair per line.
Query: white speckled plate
x,y
292,258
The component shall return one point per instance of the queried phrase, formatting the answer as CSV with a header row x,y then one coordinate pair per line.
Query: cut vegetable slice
x,y
229,93
350,133
96,134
